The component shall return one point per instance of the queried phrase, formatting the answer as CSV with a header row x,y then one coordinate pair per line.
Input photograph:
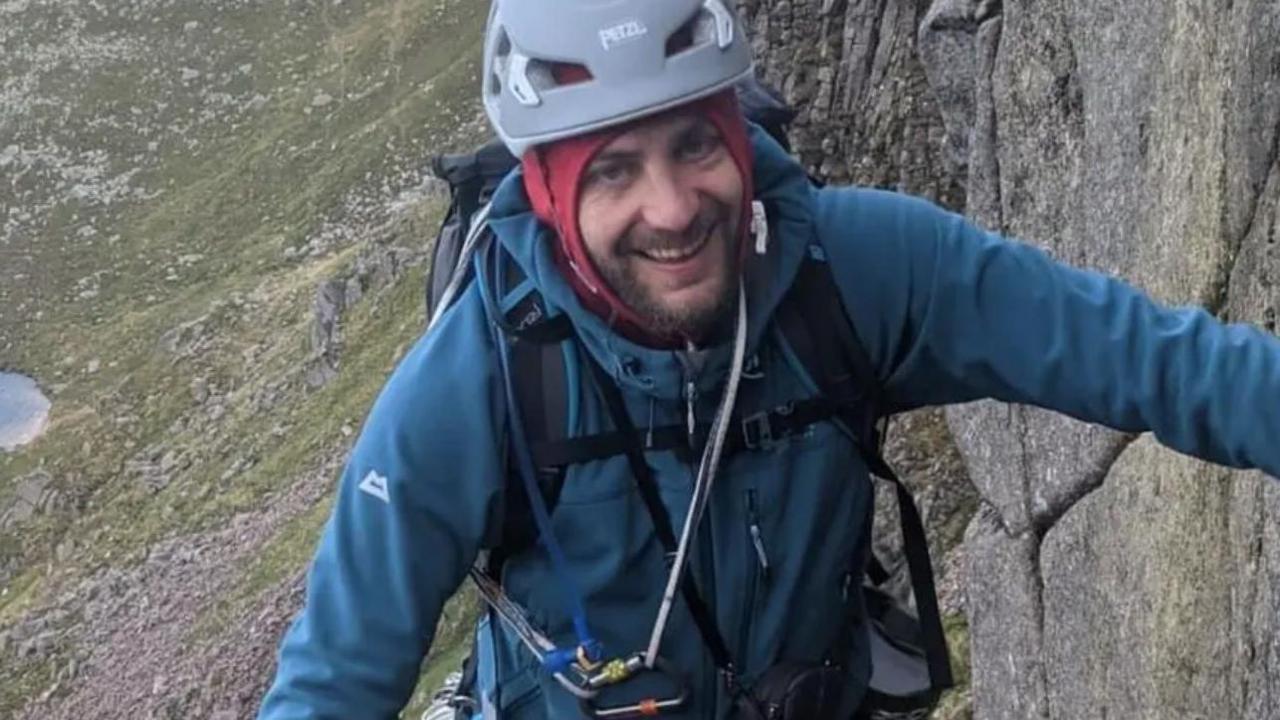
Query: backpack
x,y
911,665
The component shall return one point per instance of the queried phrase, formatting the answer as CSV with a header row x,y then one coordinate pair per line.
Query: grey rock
x,y
353,291
1167,649
1005,607
37,647
199,390
867,113
1138,139
319,372
187,339
33,493
155,466
62,553
947,45
1031,464
169,462
327,308
216,410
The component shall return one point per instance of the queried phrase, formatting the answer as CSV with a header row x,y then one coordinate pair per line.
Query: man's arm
x,y
410,515
952,313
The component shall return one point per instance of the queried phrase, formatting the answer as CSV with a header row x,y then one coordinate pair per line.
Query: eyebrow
x,y
693,124
608,156
697,124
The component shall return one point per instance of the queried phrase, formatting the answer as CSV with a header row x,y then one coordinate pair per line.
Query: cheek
x,y
600,227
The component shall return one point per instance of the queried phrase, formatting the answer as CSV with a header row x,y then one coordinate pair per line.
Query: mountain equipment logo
x,y
622,32
376,485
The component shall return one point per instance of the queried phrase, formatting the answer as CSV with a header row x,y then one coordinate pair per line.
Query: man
x,y
632,216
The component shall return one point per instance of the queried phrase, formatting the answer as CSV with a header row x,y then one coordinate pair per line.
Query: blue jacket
x,y
948,313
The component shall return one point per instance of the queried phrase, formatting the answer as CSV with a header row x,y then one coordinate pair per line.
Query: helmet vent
x,y
570,73
501,62
697,32
680,40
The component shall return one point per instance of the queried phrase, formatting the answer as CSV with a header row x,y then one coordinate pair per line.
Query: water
x,y
24,411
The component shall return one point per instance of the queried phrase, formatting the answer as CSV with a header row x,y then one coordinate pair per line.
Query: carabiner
x,y
581,689
618,671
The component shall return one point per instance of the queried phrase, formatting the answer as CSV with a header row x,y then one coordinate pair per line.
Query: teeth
x,y
677,254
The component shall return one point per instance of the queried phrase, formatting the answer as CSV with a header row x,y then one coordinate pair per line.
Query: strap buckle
x,y
757,428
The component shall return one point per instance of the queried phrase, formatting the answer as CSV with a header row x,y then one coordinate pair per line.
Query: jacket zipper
x,y
758,572
706,554
757,537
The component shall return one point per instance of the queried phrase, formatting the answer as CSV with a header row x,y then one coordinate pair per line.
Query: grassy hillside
x,y
176,181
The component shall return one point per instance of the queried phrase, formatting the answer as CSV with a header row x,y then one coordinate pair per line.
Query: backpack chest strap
x,y
753,432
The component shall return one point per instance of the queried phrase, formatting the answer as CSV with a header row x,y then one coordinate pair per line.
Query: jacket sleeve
x,y
951,313
411,512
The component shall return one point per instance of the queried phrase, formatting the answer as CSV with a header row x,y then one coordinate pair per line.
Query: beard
x,y
661,314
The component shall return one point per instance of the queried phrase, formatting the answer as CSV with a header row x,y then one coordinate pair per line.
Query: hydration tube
x,y
555,660
589,650
588,653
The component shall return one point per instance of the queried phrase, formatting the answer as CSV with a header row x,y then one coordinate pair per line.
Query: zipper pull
x,y
757,537
691,394
759,227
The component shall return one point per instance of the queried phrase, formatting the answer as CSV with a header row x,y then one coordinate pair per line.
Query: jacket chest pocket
x,y
800,511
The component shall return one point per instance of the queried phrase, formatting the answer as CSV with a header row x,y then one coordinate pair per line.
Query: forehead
x,y
653,131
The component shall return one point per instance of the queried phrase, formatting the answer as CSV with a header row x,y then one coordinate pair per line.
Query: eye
x,y
610,173
696,144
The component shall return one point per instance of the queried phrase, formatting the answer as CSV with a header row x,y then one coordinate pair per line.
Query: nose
x,y
670,201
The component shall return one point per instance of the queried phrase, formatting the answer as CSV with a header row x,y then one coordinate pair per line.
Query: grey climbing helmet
x,y
628,58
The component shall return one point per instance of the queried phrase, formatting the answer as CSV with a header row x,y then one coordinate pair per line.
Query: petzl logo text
x,y
626,31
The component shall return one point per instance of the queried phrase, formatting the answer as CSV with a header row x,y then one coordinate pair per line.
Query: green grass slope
x,y
176,180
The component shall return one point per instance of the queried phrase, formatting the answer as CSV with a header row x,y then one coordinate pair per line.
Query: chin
x,y
696,318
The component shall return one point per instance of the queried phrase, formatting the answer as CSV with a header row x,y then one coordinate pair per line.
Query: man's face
x,y
659,210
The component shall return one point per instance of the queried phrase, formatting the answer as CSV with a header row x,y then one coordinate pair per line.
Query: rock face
x,y
1107,577
1139,142
867,116
32,493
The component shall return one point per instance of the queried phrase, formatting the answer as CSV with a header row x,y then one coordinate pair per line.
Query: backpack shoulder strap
x,y
540,378
813,321
816,324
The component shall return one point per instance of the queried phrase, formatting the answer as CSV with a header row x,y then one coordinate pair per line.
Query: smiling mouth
x,y
678,254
